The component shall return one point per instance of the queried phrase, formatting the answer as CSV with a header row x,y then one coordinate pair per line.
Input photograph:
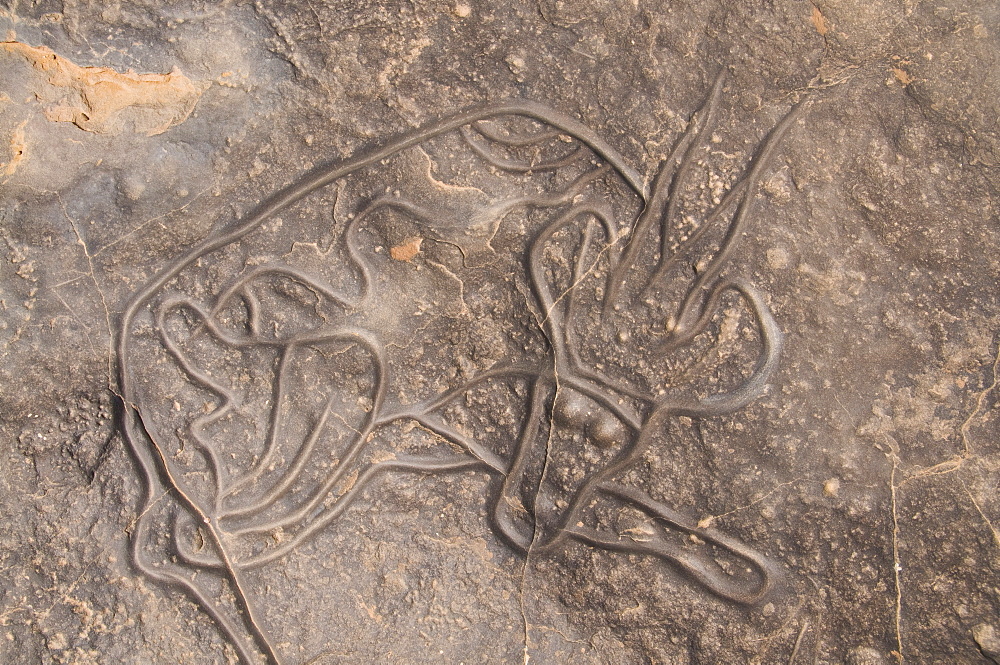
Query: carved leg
x,y
751,577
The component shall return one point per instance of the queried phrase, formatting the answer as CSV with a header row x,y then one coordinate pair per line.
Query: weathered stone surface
x,y
448,332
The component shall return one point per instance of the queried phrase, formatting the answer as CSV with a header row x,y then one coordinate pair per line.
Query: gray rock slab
x,y
550,332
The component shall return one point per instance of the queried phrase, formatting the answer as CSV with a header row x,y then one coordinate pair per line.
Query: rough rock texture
x,y
841,509
99,99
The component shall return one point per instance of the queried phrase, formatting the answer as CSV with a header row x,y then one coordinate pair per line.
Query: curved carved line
x,y
227,397
377,353
302,455
274,426
659,203
552,319
294,472
576,362
710,110
515,140
437,402
481,454
704,572
284,271
177,581
767,362
517,167
135,426
333,512
685,330
508,503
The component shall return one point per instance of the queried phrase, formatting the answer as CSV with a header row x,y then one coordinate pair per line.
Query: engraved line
x,y
230,572
677,182
517,167
342,503
509,503
711,577
705,285
654,207
375,349
517,140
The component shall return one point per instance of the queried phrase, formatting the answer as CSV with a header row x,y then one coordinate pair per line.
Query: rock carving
x,y
270,370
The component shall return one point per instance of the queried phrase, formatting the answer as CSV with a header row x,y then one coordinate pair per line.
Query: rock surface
x,y
637,481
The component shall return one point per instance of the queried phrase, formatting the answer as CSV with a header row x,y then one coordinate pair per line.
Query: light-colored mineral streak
x,y
105,101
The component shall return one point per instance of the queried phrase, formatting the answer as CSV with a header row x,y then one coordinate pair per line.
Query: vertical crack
x,y
896,567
